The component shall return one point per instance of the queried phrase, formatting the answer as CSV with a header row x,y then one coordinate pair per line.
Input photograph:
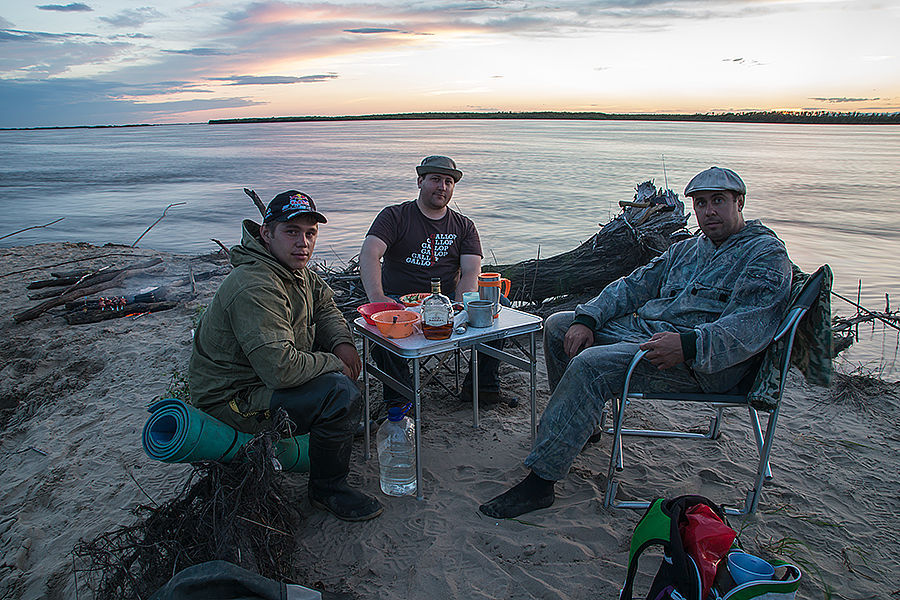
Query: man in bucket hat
x,y
702,310
408,244
272,338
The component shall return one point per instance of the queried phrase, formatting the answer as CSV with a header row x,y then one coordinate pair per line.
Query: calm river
x,y
830,191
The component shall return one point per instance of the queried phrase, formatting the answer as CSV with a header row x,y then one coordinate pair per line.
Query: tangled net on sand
x,y
238,512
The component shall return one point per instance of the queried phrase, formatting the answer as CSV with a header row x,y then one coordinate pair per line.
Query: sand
x,y
73,402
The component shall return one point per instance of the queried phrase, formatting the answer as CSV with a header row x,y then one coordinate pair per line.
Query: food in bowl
x,y
413,299
367,310
396,324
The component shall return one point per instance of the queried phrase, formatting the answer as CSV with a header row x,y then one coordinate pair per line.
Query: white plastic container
x,y
396,443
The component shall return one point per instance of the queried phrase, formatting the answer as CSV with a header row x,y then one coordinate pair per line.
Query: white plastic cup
x,y
468,297
745,568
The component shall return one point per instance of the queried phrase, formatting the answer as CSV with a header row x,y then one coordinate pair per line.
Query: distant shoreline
x,y
811,117
799,117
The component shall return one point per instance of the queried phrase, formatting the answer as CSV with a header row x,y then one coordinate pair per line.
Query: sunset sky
x,y
117,62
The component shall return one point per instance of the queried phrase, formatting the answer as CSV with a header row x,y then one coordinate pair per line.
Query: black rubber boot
x,y
329,465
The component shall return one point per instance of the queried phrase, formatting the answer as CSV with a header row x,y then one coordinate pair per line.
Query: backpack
x,y
678,577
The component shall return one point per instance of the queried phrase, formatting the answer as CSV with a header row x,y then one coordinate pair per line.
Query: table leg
x,y
365,375
473,369
533,388
417,392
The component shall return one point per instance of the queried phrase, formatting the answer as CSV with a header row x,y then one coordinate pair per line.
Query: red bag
x,y
706,539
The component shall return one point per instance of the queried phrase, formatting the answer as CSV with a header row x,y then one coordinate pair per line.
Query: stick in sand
x,y
257,201
157,221
32,227
860,307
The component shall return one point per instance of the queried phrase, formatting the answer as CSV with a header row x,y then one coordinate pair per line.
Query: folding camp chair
x,y
738,397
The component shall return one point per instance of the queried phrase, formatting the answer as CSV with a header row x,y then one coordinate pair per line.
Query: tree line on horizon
x,y
774,116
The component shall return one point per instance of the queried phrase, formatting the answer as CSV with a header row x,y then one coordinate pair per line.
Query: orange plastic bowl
x,y
396,323
367,310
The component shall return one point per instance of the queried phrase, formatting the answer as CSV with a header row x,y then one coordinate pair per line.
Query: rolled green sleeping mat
x,y
177,432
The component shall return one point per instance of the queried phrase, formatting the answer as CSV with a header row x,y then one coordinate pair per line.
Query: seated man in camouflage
x,y
701,310
274,338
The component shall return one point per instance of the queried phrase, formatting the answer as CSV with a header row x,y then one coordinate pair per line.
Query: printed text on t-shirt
x,y
433,249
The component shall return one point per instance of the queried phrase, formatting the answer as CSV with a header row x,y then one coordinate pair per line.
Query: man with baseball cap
x,y
702,310
272,338
410,243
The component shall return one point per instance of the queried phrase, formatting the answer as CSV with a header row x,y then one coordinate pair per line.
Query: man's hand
x,y
664,349
578,337
350,357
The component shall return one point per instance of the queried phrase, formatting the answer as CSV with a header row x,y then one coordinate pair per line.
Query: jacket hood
x,y
251,250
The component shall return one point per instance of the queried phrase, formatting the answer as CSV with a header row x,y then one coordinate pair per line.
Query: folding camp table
x,y
509,323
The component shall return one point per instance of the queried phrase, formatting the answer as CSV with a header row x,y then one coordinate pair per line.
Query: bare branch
x,y
256,200
157,221
32,227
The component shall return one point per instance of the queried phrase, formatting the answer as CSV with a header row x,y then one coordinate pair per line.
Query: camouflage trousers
x,y
582,385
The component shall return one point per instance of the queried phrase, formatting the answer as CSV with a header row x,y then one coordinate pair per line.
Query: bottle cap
x,y
396,413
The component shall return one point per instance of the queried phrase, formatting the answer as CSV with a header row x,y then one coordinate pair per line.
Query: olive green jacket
x,y
267,328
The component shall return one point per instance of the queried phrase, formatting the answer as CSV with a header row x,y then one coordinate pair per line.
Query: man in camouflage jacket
x,y
702,310
274,338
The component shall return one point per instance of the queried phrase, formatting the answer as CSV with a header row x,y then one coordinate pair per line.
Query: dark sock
x,y
532,493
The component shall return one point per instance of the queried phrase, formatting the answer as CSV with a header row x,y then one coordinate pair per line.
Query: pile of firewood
x,y
78,292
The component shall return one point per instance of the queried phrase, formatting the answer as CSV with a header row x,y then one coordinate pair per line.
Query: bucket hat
x,y
716,178
287,205
439,164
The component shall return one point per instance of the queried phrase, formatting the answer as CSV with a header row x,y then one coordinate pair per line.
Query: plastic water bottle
x,y
396,442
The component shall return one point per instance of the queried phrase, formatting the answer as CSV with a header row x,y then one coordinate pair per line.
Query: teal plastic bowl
x,y
745,568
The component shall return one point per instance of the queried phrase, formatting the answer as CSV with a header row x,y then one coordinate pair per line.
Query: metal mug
x,y
480,313
490,286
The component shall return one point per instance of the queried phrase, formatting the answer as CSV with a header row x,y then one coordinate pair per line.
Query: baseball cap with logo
x,y
439,164
288,205
715,178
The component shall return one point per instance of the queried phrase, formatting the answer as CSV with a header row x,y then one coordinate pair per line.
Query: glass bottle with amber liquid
x,y
437,314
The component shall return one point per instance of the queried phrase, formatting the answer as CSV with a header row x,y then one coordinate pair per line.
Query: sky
x,y
118,62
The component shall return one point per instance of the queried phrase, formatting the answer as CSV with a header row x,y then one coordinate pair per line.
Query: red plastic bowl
x,y
367,310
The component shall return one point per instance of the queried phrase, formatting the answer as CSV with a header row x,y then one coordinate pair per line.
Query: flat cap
x,y
715,178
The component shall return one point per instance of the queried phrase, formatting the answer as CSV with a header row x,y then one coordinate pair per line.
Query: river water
x,y
830,191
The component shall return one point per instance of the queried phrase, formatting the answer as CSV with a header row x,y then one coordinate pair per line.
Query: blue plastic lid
x,y
396,413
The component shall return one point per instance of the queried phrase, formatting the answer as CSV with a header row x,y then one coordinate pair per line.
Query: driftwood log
x,y
643,230
132,309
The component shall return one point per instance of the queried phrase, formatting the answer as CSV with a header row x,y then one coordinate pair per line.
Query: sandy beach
x,y
73,402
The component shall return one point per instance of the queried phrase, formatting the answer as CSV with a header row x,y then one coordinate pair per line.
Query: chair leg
x,y
763,469
715,427
757,431
615,452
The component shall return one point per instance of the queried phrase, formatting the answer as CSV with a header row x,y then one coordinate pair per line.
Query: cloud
x,y
743,61
838,100
199,52
40,53
73,7
66,102
374,30
18,35
134,17
272,79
